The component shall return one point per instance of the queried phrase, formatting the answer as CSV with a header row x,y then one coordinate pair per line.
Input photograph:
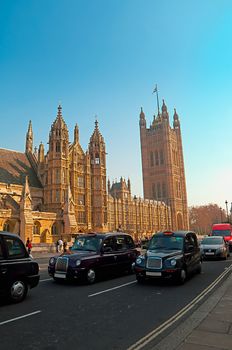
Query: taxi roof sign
x,y
168,233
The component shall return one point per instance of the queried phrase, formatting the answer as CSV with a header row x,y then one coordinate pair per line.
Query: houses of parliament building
x,y
65,191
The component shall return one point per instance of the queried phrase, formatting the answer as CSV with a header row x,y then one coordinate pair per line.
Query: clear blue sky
x,y
104,57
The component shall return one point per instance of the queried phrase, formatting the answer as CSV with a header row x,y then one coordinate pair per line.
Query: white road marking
x,y
110,289
47,279
153,334
20,317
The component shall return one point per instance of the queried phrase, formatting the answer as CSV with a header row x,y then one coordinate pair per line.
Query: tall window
x,y
81,199
55,230
57,196
80,181
156,158
57,146
6,227
36,228
151,159
161,157
57,176
97,158
153,191
164,190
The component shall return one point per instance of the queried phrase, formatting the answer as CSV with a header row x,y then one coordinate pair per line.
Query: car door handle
x,y
3,270
115,257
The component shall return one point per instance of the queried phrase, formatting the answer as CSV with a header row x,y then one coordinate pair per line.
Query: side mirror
x,y
190,248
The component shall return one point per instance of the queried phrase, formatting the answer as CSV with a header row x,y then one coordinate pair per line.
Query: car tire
x,y
91,276
199,267
140,279
182,277
18,291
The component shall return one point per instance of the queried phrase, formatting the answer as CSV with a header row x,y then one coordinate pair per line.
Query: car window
x,y
89,243
189,242
121,243
109,244
129,242
15,247
166,242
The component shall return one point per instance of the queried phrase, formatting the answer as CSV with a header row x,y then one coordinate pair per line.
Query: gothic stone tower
x,y
97,154
57,174
163,165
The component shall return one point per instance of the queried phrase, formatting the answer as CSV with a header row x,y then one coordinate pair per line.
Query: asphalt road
x,y
111,314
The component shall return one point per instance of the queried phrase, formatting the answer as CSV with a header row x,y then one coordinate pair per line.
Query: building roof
x,y
14,167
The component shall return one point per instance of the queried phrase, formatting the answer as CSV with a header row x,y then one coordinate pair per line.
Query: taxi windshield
x,y
221,233
87,243
166,243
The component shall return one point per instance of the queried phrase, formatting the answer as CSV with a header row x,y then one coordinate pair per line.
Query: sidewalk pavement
x,y
208,328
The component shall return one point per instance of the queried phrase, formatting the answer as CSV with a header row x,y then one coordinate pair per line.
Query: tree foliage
x,y
201,218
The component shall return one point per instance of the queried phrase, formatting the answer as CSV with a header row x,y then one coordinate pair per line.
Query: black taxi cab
x,y
169,255
18,271
93,255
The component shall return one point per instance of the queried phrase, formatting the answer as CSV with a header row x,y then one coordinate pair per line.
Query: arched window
x,y
97,158
36,228
57,146
6,226
55,230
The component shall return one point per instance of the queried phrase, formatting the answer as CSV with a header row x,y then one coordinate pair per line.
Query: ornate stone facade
x,y
163,165
65,191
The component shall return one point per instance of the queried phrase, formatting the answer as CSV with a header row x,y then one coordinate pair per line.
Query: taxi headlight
x,y
78,262
139,260
173,262
52,261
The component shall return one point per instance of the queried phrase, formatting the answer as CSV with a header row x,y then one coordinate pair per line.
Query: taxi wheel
x,y
91,276
199,267
18,291
140,279
182,277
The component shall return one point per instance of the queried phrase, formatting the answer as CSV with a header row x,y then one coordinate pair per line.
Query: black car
x,y
18,271
169,254
93,255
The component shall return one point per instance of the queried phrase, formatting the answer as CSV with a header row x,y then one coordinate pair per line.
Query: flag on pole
x,y
155,89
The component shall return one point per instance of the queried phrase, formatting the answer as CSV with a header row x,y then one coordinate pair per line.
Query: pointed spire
x,y
129,185
142,115
41,153
176,122
30,128
142,119
96,123
59,113
29,139
76,134
108,185
164,107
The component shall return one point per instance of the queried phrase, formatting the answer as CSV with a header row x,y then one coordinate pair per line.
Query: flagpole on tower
x,y
157,97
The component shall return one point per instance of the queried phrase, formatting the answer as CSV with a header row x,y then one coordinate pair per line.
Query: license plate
x,y
148,273
60,275
209,253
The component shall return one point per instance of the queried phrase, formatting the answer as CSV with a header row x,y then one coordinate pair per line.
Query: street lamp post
x,y
221,213
226,203
231,212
